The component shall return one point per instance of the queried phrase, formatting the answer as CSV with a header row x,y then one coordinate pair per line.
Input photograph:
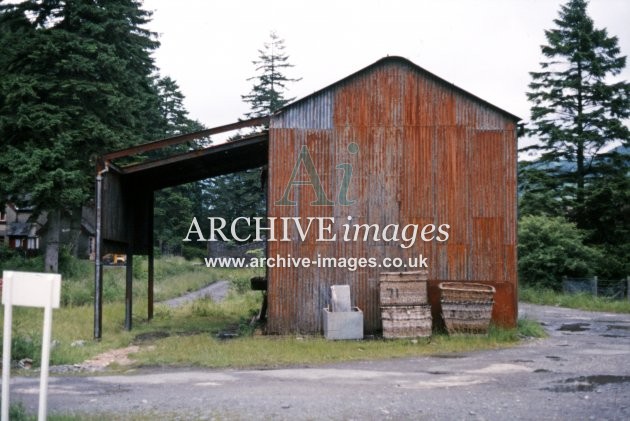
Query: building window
x,y
33,244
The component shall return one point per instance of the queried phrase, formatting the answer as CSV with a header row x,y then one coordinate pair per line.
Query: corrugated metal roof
x,y
398,60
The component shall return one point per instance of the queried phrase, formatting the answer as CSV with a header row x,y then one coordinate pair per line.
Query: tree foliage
x,y
270,84
175,206
579,114
577,110
234,195
75,82
242,194
550,248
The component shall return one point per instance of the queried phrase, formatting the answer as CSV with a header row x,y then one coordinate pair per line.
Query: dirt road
x,y
216,291
581,372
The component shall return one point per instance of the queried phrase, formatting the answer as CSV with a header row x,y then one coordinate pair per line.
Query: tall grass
x,y
174,276
581,301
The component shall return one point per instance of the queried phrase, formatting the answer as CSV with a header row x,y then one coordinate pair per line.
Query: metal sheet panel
x,y
428,153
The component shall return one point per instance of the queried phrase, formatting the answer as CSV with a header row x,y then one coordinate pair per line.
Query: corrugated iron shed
x,y
392,144
428,153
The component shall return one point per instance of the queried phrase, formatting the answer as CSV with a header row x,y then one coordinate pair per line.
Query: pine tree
x,y
270,85
577,111
242,193
75,83
175,206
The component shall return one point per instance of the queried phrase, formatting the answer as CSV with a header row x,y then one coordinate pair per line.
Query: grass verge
x,y
578,301
270,352
188,336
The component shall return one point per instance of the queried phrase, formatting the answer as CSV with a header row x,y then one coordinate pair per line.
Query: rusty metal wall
x,y
428,153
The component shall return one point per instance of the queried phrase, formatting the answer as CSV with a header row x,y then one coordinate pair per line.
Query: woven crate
x,y
466,292
403,288
406,321
466,317
419,275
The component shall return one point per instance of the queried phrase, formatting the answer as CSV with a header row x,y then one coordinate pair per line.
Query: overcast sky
x,y
486,47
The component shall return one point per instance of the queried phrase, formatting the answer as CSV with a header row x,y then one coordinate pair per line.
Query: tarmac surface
x,y
580,372
216,292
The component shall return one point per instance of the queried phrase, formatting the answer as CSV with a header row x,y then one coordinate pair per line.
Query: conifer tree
x,y
175,206
578,110
242,194
270,84
75,83
579,116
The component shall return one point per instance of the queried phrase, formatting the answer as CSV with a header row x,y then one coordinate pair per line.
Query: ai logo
x,y
304,158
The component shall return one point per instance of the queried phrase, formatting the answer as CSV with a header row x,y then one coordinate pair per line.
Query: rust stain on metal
x,y
428,153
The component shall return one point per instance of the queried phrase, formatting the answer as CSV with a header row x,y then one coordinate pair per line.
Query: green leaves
x,y
550,248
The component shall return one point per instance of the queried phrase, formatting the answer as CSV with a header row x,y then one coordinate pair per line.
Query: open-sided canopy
x,y
126,194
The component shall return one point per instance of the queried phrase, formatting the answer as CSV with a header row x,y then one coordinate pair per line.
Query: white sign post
x,y
28,289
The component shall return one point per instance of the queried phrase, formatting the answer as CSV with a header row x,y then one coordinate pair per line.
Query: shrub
x,y
550,248
19,260
194,253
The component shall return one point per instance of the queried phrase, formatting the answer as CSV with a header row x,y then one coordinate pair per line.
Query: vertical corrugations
x,y
488,175
428,154
313,114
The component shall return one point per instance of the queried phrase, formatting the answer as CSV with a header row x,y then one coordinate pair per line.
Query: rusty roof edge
x,y
175,140
399,59
221,147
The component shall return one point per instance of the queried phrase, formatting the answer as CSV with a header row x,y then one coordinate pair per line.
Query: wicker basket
x,y
403,288
413,276
462,317
466,292
406,321
466,306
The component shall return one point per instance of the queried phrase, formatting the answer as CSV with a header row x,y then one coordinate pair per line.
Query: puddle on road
x,y
542,370
448,356
553,357
438,373
613,336
587,383
574,327
619,327
522,361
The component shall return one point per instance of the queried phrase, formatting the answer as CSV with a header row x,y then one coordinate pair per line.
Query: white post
x,y
43,381
6,350
29,290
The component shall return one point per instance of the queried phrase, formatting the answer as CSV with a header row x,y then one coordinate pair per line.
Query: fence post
x,y
594,286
